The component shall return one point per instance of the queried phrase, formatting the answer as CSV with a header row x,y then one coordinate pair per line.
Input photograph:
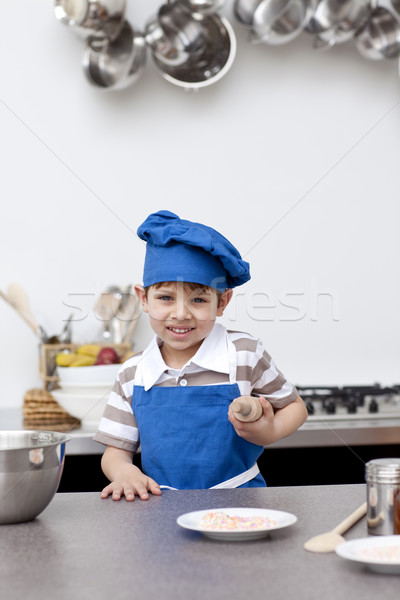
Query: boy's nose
x,y
182,311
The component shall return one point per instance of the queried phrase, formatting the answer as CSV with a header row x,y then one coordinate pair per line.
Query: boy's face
x,y
182,317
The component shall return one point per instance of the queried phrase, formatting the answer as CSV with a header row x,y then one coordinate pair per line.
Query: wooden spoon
x,y
327,542
19,299
32,324
131,314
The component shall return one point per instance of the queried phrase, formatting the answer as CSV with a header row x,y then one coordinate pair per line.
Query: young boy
x,y
173,398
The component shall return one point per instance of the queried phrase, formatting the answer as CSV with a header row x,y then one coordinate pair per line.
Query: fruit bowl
x,y
31,465
95,375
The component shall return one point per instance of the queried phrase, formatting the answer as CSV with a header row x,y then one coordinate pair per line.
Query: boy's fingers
x,y
154,487
142,492
266,405
106,491
129,494
116,495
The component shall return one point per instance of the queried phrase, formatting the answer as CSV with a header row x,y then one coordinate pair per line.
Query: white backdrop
x,y
293,155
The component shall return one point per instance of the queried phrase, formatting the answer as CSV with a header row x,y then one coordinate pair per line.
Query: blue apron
x,y
187,441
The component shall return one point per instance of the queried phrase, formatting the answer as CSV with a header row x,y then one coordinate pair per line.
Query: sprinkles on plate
x,y
387,554
219,520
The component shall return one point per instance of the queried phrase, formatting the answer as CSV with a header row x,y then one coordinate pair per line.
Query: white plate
x,y
193,521
373,552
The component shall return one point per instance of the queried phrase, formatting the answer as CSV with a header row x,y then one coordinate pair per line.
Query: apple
x,y
107,356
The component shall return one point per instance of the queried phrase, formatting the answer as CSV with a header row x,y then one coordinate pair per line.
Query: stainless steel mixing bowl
x,y
31,465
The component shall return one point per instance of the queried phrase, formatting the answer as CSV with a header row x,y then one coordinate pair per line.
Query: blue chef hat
x,y
179,250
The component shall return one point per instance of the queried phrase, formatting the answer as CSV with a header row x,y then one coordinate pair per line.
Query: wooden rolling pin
x,y
246,408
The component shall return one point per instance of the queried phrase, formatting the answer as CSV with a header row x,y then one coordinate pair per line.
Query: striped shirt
x,y
224,357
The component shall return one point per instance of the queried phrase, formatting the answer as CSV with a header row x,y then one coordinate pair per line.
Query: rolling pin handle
x,y
247,408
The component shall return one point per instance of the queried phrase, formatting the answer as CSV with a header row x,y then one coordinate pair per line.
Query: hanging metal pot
x,y
175,34
271,21
94,20
206,60
117,64
336,21
204,7
380,37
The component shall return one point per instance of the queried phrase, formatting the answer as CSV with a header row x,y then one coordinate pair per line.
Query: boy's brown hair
x,y
187,285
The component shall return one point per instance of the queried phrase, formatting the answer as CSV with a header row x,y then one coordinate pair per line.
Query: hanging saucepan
x,y
93,20
396,6
380,37
204,67
336,21
248,11
271,21
175,34
204,7
117,64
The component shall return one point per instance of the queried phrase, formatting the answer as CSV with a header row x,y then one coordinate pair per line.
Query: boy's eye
x,y
198,300
165,298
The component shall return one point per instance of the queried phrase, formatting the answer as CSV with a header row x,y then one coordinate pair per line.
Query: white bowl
x,y
102,374
87,389
88,408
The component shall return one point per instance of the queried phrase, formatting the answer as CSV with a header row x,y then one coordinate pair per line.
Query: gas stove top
x,y
350,403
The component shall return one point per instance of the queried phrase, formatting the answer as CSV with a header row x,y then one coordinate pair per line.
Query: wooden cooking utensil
x,y
327,542
13,300
129,316
246,408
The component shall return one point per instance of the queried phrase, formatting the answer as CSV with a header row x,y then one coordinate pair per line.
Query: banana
x,y
89,350
83,361
64,359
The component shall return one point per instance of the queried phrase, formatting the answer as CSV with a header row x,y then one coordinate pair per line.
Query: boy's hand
x,y
130,481
260,432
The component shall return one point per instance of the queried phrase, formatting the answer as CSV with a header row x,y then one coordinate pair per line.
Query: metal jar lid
x,y
383,470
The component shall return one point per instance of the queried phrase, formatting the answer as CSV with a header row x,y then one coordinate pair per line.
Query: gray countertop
x,y
313,434
82,547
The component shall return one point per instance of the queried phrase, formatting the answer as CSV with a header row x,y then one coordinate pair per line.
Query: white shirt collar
x,y
212,355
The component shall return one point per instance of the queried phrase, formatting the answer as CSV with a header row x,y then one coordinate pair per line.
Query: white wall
x,y
293,155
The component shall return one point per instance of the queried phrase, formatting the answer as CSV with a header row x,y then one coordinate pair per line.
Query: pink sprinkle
x,y
221,521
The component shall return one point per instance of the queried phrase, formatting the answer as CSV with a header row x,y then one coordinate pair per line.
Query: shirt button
x,y
183,382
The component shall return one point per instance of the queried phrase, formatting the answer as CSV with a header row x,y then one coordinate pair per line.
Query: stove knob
x,y
352,406
330,407
373,406
310,407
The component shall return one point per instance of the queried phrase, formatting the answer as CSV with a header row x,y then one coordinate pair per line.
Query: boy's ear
x,y
141,294
224,301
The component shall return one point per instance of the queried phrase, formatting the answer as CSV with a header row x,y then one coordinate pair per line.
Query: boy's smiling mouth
x,y
180,330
